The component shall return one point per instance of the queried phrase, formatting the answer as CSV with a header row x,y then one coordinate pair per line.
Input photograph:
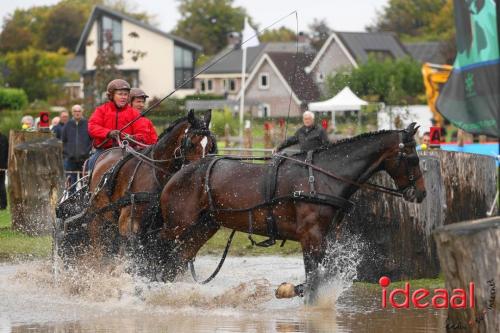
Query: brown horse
x,y
125,186
305,194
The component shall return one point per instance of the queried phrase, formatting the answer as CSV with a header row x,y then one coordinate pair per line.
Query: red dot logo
x,y
384,281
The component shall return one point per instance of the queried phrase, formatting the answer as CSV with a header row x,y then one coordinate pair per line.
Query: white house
x,y
156,61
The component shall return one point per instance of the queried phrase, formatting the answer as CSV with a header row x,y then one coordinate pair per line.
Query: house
x,y
345,50
221,75
156,61
278,86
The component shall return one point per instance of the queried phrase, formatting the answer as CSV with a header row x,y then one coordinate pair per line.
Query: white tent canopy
x,y
345,100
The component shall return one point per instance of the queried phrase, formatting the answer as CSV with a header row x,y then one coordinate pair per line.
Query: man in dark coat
x,y
308,137
4,156
76,143
57,130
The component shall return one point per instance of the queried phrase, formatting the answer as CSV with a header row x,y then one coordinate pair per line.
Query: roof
x,y
426,52
75,64
231,63
301,83
98,10
358,45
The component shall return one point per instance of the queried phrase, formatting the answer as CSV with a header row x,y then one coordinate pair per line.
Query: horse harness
x,y
270,184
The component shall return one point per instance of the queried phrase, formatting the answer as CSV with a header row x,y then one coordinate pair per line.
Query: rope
x,y
219,266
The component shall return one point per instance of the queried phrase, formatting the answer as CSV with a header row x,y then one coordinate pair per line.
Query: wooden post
x,y
227,134
470,252
36,180
470,183
397,233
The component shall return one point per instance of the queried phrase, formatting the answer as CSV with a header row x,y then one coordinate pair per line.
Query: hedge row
x,y
14,99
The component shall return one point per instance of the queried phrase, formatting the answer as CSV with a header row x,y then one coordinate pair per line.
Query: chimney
x,y
303,37
233,39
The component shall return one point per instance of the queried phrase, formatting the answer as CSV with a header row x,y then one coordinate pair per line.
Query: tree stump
x,y
398,234
470,182
470,252
36,180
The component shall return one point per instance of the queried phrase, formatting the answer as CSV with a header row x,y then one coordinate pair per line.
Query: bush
x,y
219,121
11,98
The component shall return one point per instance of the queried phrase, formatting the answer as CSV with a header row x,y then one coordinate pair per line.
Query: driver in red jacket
x,y
109,118
138,102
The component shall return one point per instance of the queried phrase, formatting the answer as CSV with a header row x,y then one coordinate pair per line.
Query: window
x,y
110,34
210,85
264,81
264,111
229,85
232,85
202,86
184,66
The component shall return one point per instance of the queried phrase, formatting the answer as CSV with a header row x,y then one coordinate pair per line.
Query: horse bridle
x,y
186,143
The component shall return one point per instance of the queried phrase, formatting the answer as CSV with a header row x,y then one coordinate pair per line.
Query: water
x,y
240,299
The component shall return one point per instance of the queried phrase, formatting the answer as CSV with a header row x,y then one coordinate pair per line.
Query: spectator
x,y
4,156
54,122
76,143
27,123
57,130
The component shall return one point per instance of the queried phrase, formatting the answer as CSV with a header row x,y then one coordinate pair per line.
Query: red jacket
x,y
107,117
150,136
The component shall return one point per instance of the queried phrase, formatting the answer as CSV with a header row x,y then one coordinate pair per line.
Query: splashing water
x,y
339,268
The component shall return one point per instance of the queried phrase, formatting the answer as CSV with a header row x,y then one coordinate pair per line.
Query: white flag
x,y
250,35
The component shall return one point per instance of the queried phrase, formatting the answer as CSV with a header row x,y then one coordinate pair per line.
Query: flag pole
x,y
242,99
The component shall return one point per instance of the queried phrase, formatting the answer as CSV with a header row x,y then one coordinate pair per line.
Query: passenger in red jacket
x,y
138,102
109,118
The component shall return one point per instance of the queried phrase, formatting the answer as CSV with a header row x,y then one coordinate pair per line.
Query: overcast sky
x,y
341,15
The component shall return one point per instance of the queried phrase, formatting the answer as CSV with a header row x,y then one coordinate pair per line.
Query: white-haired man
x,y
309,136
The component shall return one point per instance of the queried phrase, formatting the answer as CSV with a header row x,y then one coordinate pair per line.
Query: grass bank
x,y
15,245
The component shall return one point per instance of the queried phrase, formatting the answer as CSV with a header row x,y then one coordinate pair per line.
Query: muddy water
x,y
240,299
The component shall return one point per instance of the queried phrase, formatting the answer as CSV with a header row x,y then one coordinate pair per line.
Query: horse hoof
x,y
285,290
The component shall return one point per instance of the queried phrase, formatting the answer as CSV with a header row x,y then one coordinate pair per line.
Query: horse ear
x,y
411,128
191,117
208,117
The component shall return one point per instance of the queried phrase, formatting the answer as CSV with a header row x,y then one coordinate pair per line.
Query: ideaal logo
x,y
440,299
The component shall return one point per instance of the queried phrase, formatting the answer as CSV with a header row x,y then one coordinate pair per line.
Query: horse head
x,y
402,164
197,140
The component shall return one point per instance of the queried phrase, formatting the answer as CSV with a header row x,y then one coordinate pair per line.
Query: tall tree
x,y
282,34
208,22
407,18
320,31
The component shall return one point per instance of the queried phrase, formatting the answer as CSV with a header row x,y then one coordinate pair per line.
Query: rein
x,y
369,186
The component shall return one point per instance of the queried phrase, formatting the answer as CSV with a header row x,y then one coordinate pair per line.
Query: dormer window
x,y
110,34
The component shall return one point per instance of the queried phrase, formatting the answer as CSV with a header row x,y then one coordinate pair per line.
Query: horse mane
x,y
171,127
359,137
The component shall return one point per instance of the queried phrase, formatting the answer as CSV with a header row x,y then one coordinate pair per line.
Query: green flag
x,y
470,99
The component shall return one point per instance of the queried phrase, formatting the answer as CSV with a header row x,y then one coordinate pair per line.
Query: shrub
x,y
11,98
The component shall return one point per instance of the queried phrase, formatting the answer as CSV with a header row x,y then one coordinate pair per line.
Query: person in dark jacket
x,y
4,157
76,143
63,119
308,137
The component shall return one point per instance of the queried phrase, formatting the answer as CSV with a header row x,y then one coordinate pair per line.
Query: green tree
x,y
408,18
282,34
391,81
22,29
320,31
35,71
208,22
